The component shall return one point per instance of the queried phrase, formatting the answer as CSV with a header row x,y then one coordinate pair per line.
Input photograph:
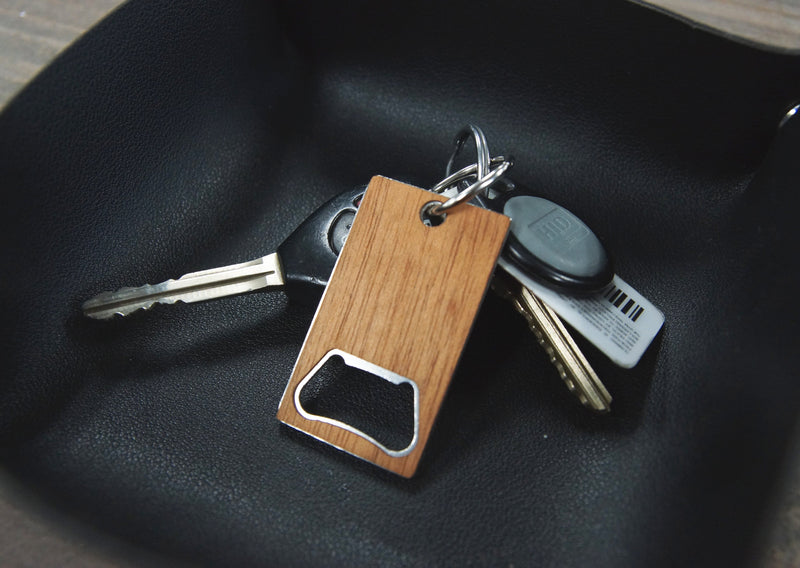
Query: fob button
x,y
556,237
339,230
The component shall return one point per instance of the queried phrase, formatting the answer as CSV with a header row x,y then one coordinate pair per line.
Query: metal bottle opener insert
x,y
354,362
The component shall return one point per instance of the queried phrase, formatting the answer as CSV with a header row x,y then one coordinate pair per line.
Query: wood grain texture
x,y
402,296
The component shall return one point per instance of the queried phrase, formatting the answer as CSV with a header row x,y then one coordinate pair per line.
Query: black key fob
x,y
550,244
309,253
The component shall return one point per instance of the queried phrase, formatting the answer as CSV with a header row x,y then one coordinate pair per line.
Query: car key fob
x,y
309,253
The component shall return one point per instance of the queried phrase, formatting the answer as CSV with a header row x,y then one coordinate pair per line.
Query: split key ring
x,y
487,170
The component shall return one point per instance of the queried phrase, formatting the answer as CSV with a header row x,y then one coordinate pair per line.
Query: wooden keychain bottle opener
x,y
400,304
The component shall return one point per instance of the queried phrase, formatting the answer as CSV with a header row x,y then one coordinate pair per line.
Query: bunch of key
x,y
386,249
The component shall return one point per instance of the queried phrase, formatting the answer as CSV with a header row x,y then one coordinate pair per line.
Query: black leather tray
x,y
178,136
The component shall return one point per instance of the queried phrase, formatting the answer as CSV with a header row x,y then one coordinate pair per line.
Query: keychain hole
x,y
430,219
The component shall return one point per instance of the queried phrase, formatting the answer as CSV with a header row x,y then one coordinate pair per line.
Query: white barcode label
x,y
618,320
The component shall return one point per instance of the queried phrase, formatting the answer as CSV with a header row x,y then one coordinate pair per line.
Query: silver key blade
x,y
551,334
194,287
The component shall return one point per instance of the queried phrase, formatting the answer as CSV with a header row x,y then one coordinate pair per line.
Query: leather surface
x,y
181,136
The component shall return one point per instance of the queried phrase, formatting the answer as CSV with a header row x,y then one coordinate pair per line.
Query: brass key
x,y
565,355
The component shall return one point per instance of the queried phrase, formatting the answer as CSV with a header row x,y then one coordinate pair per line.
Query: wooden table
x,y
34,32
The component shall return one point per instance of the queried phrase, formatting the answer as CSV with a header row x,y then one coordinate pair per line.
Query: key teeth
x,y
603,404
96,304
112,295
124,313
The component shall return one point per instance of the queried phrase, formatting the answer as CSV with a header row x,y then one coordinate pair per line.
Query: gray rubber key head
x,y
554,246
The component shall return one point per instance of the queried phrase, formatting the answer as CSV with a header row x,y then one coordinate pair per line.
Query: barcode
x,y
623,303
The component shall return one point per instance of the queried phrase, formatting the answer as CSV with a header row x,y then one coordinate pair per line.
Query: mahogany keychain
x,y
400,305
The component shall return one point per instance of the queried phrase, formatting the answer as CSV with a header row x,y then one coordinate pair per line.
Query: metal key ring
x,y
468,172
472,190
481,147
